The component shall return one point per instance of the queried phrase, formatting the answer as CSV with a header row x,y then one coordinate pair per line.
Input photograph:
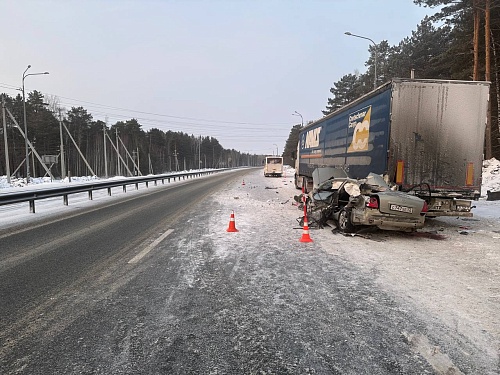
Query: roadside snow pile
x,y
3,182
491,176
34,181
21,182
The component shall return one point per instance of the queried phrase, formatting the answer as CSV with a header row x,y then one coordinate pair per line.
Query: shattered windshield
x,y
323,174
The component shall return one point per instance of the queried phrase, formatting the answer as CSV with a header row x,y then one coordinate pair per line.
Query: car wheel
x,y
344,221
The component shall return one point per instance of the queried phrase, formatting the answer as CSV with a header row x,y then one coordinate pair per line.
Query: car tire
x,y
344,221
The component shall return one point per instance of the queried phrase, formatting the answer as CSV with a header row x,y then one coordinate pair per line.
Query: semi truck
x,y
425,137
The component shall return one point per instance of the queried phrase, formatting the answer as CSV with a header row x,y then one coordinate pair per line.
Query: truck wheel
x,y
344,222
297,182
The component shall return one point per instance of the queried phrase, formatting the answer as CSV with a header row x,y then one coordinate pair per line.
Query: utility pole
x,y
138,162
176,160
134,158
7,164
33,157
104,126
61,148
117,154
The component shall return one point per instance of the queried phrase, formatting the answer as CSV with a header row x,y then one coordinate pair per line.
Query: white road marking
x,y
151,246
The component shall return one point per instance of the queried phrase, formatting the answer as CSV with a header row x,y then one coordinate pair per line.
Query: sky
x,y
234,70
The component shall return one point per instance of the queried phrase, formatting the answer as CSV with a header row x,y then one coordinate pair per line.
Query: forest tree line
x,y
461,41
466,46
129,149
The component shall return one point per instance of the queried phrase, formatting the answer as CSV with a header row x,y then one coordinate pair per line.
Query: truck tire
x,y
344,221
296,180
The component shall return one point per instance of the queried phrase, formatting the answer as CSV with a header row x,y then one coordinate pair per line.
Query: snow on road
x,y
446,276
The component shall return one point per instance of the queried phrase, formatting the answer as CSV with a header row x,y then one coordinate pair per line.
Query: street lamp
x,y
375,47
301,118
25,124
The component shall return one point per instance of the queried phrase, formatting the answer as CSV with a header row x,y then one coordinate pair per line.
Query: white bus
x,y
273,166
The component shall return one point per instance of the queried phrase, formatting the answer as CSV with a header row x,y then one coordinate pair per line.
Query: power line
x,y
11,87
257,132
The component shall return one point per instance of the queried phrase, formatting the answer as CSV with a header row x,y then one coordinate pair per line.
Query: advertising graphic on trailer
x,y
360,121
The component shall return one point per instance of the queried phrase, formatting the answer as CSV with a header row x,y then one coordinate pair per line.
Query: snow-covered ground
x,y
15,214
445,276
491,176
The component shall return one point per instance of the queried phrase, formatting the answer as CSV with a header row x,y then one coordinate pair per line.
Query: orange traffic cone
x,y
232,226
305,234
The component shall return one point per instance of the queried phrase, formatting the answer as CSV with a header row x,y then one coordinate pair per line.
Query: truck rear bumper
x,y
449,213
449,207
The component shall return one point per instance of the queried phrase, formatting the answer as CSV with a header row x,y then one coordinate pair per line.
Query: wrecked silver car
x,y
352,204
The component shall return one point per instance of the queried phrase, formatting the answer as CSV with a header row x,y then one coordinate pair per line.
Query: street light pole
x,y
301,118
7,164
25,124
376,53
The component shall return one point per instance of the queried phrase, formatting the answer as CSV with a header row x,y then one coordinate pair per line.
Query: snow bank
x,y
491,176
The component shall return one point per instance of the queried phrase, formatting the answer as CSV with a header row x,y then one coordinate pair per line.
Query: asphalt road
x,y
146,286
52,274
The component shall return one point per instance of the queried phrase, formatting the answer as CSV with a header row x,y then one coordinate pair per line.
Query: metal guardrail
x,y
65,191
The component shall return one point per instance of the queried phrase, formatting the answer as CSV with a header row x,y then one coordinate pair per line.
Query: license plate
x,y
397,207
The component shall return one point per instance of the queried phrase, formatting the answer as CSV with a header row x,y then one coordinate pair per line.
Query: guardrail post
x,y
65,192
136,186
